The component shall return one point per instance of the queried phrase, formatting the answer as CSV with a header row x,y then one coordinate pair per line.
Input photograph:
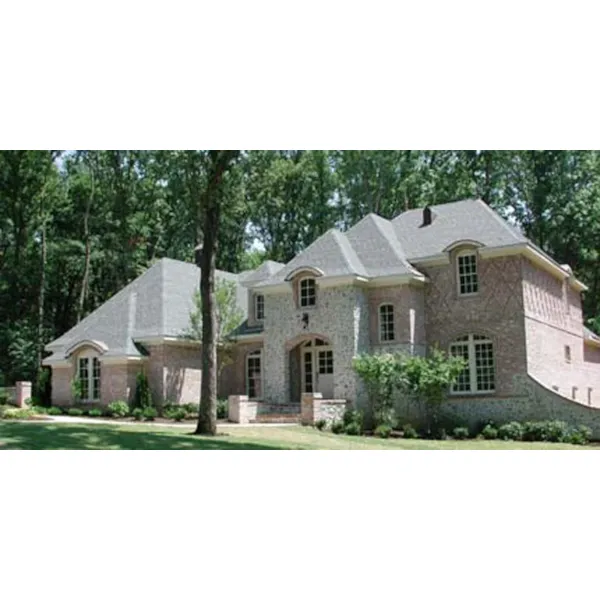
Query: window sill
x,y
470,394
470,295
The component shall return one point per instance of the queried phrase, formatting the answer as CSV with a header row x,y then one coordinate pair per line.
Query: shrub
x,y
95,412
74,412
137,414
177,414
16,413
55,410
460,433
118,409
556,431
149,413
489,432
353,418
191,408
353,429
511,431
143,395
222,408
410,432
321,424
580,436
337,427
434,433
3,398
534,431
383,431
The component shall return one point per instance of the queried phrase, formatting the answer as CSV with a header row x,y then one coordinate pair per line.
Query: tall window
x,y
254,374
467,273
386,323
478,375
88,372
308,292
259,307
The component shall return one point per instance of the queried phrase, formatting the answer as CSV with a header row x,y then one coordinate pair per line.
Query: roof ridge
x,y
502,220
346,248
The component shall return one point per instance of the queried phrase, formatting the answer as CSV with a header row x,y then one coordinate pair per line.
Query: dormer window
x,y
259,307
467,273
308,292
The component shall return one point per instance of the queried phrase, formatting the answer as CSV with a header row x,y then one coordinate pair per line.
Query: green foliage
x,y
143,395
21,414
137,413
55,410
580,436
511,431
222,408
352,429
460,433
410,432
95,412
178,414
321,424
352,416
149,413
76,388
75,412
489,432
383,431
337,427
118,409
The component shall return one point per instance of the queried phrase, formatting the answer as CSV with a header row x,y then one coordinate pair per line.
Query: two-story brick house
x,y
455,275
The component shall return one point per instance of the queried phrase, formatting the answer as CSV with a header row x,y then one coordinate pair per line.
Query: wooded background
x,y
75,227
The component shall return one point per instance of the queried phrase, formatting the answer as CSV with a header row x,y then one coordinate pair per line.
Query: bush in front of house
x,y
118,409
353,429
409,432
95,412
55,411
143,396
579,436
489,432
460,433
321,424
192,410
137,414
511,431
75,412
149,413
21,414
222,408
383,431
353,418
178,414
337,427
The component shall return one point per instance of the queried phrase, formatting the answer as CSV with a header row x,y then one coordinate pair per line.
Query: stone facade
x,y
241,409
315,408
341,317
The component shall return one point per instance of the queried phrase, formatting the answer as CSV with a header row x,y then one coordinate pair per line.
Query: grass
x,y
67,436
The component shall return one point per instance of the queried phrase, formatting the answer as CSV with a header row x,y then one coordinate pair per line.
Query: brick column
x,y
307,407
241,409
23,393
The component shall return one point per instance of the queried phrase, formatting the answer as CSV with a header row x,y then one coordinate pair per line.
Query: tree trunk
x,y
88,251
40,336
207,417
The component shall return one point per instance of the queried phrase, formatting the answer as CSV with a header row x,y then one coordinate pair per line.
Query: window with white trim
x,y
308,292
467,273
88,373
479,372
386,323
254,374
259,307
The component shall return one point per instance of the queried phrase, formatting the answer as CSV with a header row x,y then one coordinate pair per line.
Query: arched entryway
x,y
311,367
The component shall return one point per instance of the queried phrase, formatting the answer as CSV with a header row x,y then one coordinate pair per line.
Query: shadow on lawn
x,y
41,436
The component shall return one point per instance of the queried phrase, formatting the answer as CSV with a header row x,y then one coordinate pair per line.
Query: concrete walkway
x,y
188,424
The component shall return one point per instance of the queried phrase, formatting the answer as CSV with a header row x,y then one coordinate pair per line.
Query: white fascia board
x,y
327,282
389,280
431,261
171,340
117,360
250,337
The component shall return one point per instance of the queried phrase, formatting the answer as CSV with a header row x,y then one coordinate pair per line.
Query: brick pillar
x,y
241,409
307,407
23,393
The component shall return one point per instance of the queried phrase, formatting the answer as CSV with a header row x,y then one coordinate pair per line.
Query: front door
x,y
325,373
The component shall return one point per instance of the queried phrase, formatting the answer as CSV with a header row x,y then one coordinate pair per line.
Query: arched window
x,y
478,375
88,375
466,276
386,323
254,374
307,291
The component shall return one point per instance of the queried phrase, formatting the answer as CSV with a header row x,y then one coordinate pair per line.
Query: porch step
x,y
277,418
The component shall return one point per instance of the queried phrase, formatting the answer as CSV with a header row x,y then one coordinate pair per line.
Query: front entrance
x,y
317,368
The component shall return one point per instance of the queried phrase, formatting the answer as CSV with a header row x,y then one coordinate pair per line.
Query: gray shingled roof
x,y
264,272
462,220
156,304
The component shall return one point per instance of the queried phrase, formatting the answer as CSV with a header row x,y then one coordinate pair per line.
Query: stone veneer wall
x,y
495,311
553,320
341,316
315,408
409,318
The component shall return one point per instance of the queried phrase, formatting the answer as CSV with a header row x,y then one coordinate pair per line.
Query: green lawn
x,y
54,436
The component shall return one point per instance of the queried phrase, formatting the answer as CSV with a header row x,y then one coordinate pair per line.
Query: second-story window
x,y
308,292
467,273
386,323
259,307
